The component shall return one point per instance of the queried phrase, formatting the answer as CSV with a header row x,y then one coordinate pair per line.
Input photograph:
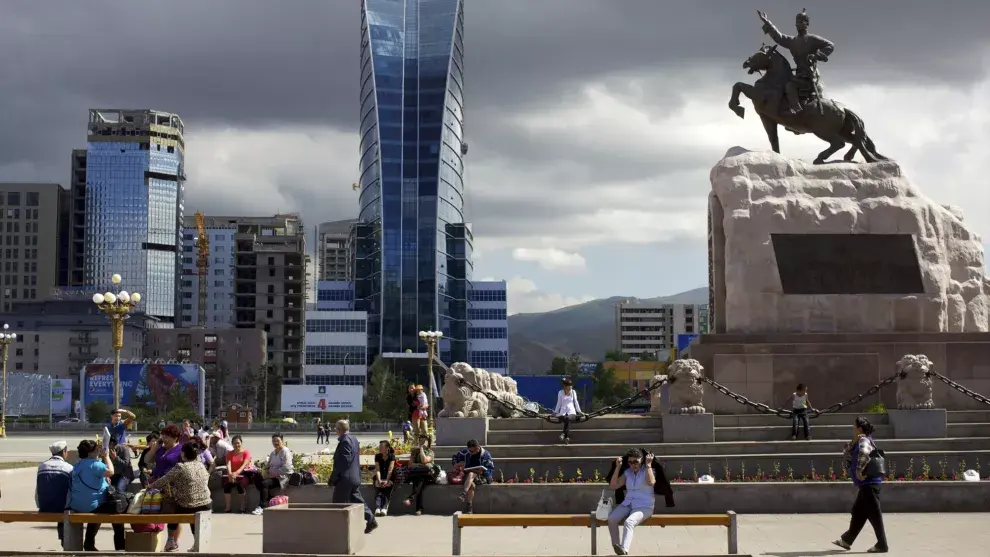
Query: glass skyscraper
x,y
412,248
133,205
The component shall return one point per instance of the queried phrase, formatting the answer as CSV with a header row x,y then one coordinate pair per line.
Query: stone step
x,y
549,437
716,450
968,416
756,420
783,432
617,421
773,464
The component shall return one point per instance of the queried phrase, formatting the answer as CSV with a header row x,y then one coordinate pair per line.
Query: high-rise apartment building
x,y
77,220
218,305
34,240
645,328
334,258
412,247
133,205
488,326
256,279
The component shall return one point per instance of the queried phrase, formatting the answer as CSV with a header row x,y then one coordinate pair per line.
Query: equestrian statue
x,y
793,98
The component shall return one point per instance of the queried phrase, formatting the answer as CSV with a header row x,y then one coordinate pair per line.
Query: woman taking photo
x,y
88,491
867,505
567,408
384,467
186,486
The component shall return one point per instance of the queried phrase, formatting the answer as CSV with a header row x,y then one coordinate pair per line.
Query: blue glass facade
x,y
412,249
133,201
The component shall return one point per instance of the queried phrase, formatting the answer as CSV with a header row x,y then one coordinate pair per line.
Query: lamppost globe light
x,y
135,297
110,297
115,278
6,326
439,334
124,296
97,298
422,334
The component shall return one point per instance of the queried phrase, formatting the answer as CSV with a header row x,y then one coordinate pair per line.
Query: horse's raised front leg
x,y
737,89
771,127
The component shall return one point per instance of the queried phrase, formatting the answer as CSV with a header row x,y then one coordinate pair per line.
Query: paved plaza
x,y
964,535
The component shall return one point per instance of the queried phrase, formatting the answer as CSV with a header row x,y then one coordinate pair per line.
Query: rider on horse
x,y
807,50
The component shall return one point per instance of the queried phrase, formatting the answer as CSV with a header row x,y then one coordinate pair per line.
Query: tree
x,y
560,365
616,356
608,389
386,393
648,357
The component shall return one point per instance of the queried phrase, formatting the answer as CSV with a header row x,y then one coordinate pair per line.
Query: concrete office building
x,y
60,335
412,245
219,277
336,339
488,326
645,328
34,236
134,175
229,357
333,251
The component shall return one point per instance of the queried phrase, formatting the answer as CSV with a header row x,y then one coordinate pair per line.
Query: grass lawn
x,y
17,464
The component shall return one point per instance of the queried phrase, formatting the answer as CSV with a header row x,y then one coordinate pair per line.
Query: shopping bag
x,y
605,505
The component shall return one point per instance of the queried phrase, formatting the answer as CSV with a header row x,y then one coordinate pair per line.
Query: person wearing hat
x,y
567,407
53,482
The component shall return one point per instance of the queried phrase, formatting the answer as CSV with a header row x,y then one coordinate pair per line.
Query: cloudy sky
x,y
592,124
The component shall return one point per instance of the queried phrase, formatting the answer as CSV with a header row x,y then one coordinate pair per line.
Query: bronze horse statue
x,y
828,120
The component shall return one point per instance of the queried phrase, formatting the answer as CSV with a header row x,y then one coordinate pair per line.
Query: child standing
x,y
800,405
420,418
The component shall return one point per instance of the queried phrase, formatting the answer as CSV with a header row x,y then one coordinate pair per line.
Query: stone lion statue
x,y
460,401
686,391
914,386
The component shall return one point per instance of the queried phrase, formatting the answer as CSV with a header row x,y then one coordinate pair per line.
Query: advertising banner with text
x,y
322,398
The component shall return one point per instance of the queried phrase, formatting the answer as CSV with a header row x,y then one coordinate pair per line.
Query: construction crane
x,y
202,264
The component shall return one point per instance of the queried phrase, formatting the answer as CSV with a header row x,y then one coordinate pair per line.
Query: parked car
x,y
69,421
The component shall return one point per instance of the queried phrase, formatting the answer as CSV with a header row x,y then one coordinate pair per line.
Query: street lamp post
x,y
117,307
5,339
431,338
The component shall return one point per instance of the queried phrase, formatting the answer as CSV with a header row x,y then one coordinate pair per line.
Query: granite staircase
x,y
746,444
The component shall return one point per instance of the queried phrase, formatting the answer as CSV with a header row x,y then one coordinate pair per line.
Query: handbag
x,y
605,505
113,500
876,467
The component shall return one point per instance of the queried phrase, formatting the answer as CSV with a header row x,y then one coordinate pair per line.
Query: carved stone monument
x,y
828,274
466,411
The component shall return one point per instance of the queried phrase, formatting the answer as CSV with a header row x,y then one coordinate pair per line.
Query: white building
x,y
219,276
336,348
644,328
488,326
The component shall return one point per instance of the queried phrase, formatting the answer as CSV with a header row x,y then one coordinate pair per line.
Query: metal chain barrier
x,y
968,392
550,418
784,413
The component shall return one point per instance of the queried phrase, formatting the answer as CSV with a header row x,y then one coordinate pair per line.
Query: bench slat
x,y
585,520
93,518
30,516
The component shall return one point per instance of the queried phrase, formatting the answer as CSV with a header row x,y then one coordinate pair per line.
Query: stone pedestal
x,y
302,528
455,432
689,428
919,424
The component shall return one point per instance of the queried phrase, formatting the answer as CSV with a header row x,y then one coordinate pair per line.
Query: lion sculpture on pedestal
x,y
914,385
460,401
686,391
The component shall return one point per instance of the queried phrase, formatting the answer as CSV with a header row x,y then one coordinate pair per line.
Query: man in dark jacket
x,y
662,486
53,482
346,476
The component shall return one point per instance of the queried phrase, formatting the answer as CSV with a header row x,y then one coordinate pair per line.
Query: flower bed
x,y
837,472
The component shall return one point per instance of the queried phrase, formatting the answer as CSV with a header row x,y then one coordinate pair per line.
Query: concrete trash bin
x,y
302,528
144,542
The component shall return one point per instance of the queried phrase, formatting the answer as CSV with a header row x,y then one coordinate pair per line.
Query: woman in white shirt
x,y
567,408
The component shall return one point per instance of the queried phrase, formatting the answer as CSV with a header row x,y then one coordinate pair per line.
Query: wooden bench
x,y
727,520
72,539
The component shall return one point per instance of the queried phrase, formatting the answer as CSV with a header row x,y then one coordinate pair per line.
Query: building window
x,y
33,199
487,332
336,325
334,295
335,355
486,314
489,359
486,295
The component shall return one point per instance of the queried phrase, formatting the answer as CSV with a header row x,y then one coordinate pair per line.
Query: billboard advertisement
x,y
322,398
683,341
61,397
149,384
28,394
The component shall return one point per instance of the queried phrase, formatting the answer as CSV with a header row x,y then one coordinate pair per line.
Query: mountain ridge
x,y
586,329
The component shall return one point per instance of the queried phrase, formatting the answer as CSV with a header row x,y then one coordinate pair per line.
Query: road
x,y
34,448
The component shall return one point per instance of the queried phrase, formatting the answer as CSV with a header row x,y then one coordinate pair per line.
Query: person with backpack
x,y
866,468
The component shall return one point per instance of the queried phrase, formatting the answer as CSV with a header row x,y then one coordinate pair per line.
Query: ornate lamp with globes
x,y
117,307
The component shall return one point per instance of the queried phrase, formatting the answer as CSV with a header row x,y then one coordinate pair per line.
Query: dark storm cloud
x,y
259,63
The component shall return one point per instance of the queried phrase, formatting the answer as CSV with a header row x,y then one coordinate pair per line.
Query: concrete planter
x,y
744,498
301,528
